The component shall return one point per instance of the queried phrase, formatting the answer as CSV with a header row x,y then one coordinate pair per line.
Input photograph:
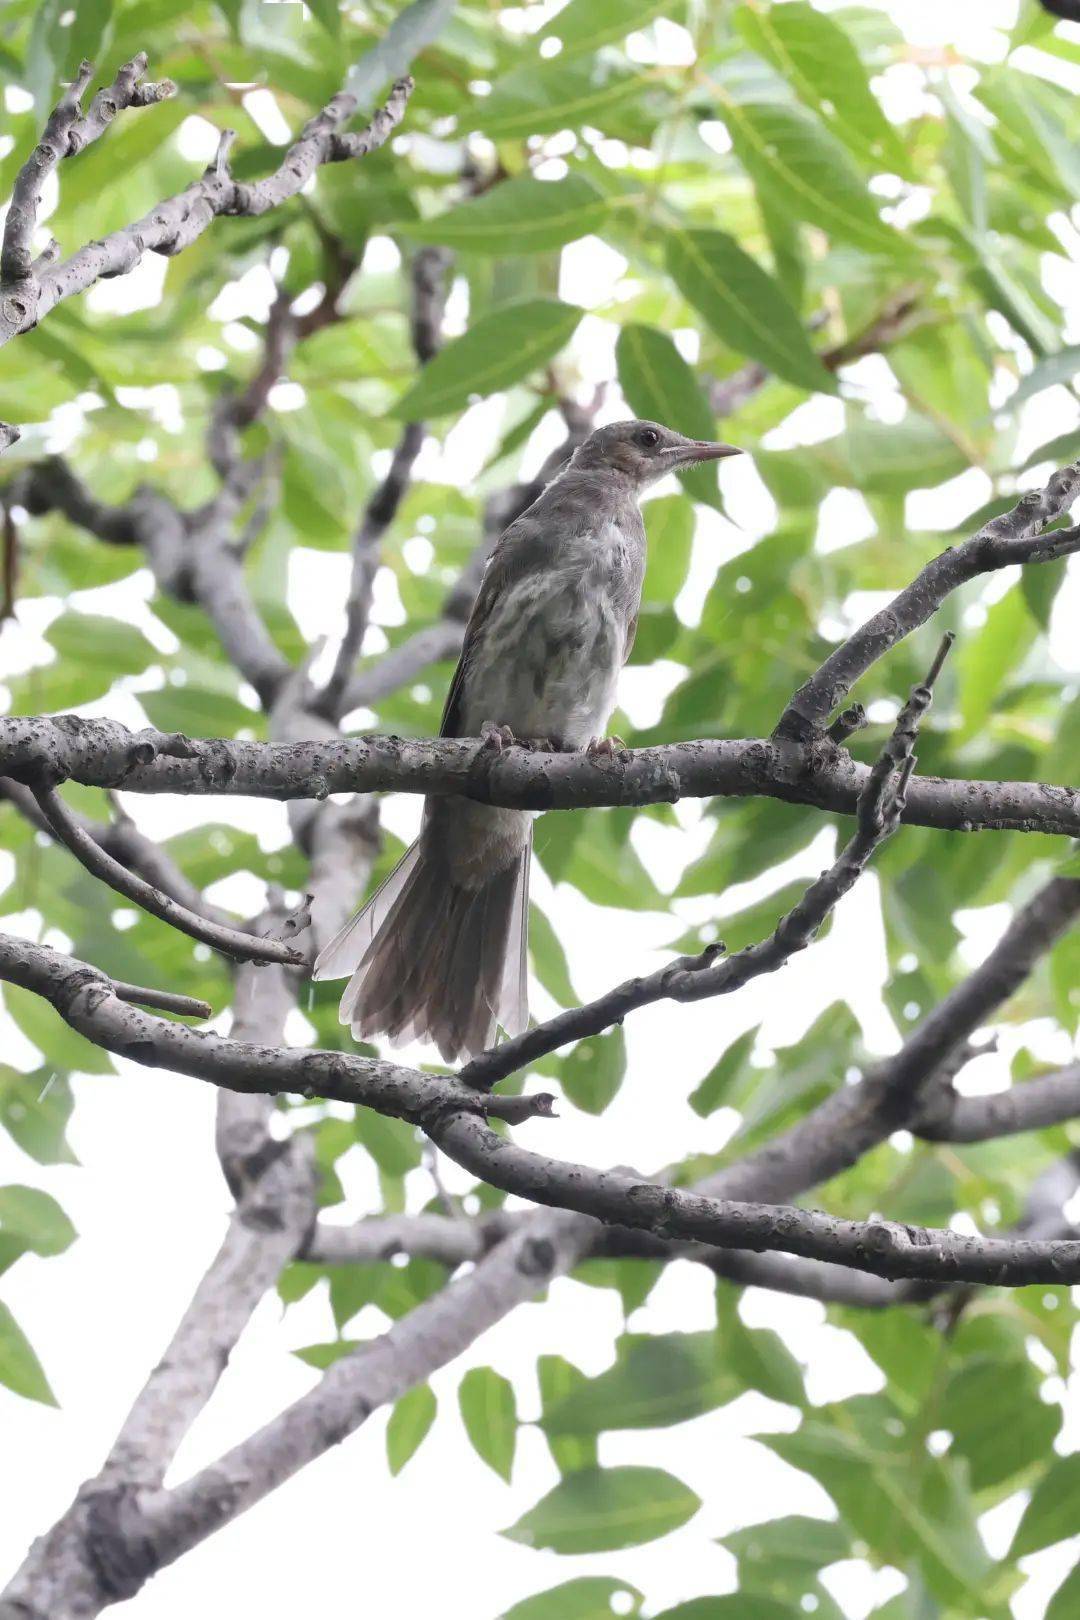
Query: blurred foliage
x,y
770,204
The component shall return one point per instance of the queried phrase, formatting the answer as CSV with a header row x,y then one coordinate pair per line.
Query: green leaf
x,y
793,1544
549,959
592,1072
729,1071
660,386
669,525
603,1509
656,1380
823,67
558,1380
591,1597
744,306
1053,1514
735,1606
998,1420
20,1368
92,639
34,1221
391,1142
34,1110
546,96
788,153
489,1411
532,215
501,348
409,1422
57,1042
1065,1603
757,1356
890,458
1061,367
586,25
410,32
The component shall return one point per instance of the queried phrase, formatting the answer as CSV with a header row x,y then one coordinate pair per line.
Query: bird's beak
x,y
695,450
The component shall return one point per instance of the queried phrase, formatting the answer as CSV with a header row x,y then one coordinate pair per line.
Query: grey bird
x,y
439,952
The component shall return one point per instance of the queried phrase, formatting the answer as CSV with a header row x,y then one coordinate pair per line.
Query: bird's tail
x,y
433,959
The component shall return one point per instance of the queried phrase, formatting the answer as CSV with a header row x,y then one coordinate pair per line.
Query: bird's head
x,y
645,451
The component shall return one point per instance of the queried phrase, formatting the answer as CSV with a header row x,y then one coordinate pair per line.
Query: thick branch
x,y
879,1247
85,999
242,947
1014,537
103,753
878,813
1048,1099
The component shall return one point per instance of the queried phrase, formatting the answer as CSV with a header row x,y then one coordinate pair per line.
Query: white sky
x,y
149,1204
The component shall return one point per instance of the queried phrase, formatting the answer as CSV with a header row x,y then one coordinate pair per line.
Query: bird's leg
x,y
598,748
496,737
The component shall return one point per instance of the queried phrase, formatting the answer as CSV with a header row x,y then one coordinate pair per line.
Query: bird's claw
x,y
607,748
496,738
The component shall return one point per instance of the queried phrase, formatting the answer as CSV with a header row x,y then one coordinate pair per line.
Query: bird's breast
x,y
547,661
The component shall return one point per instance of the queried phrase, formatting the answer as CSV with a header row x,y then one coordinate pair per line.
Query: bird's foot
x,y
495,737
542,745
598,748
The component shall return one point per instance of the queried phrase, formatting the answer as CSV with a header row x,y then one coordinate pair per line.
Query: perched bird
x,y
439,951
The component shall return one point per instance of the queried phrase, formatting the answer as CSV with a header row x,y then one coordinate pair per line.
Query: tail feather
x,y
431,958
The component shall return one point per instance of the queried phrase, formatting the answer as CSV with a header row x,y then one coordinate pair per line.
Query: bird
x,y
439,952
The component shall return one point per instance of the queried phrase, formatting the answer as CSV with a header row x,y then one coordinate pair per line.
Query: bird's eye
x,y
648,438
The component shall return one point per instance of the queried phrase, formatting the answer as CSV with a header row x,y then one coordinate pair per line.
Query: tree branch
x,y
1014,537
103,753
66,133
428,297
880,1247
1048,1099
856,1118
178,221
242,947
878,812
85,999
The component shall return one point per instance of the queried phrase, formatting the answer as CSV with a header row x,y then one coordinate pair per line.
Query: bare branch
x,y
856,1118
66,133
163,1000
242,947
878,813
428,296
1048,1099
880,1247
99,753
1014,537
178,221
85,999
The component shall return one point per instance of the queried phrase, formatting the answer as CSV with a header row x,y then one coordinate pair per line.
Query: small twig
x,y
1014,537
428,296
878,813
163,1000
847,724
10,561
231,941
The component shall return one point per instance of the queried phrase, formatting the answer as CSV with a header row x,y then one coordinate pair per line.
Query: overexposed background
x,y
149,1203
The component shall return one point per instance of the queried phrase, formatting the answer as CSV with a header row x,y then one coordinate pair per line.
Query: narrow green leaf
x,y
585,25
726,1073
546,96
409,1422
489,1411
558,1380
660,386
529,215
411,30
1053,1513
669,525
1065,1603
603,1509
549,959
20,1368
744,305
501,348
34,1110
821,64
788,152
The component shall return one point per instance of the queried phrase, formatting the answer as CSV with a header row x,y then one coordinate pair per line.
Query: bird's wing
x,y
527,544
